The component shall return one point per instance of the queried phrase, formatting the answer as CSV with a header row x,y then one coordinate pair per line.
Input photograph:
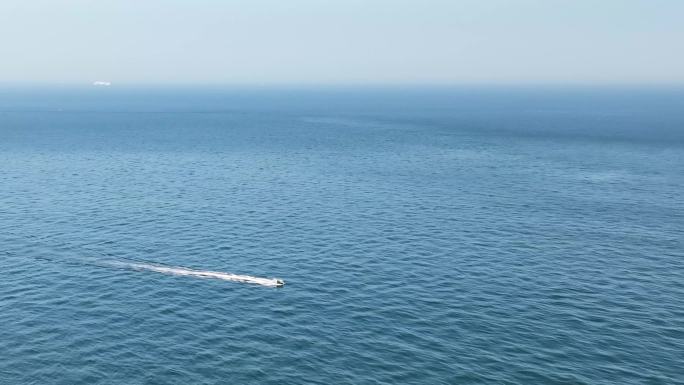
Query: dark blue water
x,y
427,236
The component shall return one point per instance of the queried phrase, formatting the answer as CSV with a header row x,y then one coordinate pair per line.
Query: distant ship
x,y
100,83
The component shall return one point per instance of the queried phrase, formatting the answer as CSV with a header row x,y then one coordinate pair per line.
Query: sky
x,y
342,41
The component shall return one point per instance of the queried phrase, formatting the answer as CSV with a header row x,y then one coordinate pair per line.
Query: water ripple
x,y
429,253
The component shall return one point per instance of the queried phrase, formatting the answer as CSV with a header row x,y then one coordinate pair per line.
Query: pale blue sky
x,y
342,41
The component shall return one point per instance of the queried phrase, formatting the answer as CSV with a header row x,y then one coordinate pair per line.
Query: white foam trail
x,y
272,282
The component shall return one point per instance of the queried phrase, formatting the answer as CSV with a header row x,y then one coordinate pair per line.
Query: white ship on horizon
x,y
102,83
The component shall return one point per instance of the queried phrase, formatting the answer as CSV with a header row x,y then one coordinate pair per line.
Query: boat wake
x,y
141,265
272,282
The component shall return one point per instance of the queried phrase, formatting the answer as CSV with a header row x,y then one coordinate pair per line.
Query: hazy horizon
x,y
335,43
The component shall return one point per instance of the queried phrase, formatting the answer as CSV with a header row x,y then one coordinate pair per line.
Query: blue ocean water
x,y
426,236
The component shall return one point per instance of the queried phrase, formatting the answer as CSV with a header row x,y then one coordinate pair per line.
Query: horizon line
x,y
339,85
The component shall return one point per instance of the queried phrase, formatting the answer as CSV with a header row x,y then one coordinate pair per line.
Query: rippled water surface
x,y
425,236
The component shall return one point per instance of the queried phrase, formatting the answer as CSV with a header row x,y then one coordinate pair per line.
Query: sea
x,y
425,235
